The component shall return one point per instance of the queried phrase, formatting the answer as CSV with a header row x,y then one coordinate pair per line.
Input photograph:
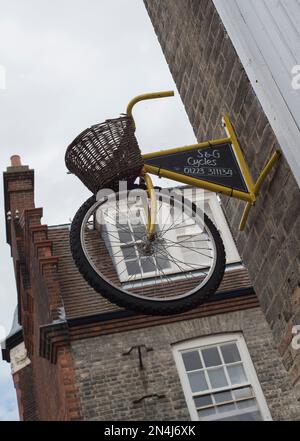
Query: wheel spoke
x,y
175,245
161,268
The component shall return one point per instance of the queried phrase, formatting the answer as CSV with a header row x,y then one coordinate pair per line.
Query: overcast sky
x,y
70,64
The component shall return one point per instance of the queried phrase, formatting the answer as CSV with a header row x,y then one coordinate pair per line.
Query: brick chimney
x,y
31,250
18,191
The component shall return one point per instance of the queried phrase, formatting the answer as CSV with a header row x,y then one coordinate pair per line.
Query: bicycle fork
x,y
152,209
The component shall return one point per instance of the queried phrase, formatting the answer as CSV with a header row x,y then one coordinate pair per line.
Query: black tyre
x,y
161,297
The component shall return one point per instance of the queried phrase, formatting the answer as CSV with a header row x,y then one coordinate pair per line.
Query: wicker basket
x,y
105,154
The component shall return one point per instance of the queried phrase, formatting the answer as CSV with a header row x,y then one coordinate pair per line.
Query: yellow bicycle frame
x,y
253,188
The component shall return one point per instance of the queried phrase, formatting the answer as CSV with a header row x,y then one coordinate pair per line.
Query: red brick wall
x,y
23,381
45,391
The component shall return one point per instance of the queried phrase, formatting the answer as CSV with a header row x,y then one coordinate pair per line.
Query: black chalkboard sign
x,y
216,164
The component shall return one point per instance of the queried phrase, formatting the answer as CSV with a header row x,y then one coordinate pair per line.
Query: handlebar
x,y
147,96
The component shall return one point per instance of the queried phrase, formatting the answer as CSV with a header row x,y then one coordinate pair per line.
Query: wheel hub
x,y
148,247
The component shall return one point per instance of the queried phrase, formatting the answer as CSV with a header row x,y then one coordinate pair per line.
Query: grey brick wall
x,y
211,81
108,382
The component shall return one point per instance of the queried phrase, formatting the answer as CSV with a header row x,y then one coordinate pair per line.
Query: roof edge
x,y
10,343
56,335
112,315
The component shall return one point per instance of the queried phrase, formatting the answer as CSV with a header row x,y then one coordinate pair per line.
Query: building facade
x,y
75,356
238,58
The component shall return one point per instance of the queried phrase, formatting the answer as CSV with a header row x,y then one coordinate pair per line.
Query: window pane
x,y
205,400
148,264
129,252
125,236
197,381
162,262
245,404
230,353
244,392
249,416
211,357
217,378
206,412
192,360
132,267
221,397
237,374
138,231
226,408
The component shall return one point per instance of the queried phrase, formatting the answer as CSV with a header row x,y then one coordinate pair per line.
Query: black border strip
x,y
106,316
10,343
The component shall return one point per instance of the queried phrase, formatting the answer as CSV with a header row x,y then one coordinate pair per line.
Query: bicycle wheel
x,y
178,269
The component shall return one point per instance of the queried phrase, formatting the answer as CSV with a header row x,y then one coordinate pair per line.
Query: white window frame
x,y
213,340
198,197
121,265
219,220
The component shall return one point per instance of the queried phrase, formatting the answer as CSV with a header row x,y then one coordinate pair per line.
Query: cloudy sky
x,y
69,64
